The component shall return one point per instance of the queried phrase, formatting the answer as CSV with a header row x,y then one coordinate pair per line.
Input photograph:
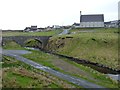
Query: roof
x,y
76,24
92,18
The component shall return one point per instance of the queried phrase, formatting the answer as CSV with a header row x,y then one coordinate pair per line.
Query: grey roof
x,y
92,18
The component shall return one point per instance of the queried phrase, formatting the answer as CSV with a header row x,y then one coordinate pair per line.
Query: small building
x,y
76,25
31,29
91,21
56,26
112,24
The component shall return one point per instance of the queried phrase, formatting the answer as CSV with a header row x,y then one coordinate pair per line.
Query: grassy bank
x,y
12,45
45,33
96,47
68,67
96,30
19,75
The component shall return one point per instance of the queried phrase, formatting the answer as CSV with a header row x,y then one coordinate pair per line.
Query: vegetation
x,y
19,75
33,43
45,33
71,68
96,47
11,45
96,30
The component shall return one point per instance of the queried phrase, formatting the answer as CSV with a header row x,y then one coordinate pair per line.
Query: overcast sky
x,y
17,14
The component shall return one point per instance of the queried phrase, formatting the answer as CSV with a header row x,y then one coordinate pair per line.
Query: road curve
x,y
65,31
72,79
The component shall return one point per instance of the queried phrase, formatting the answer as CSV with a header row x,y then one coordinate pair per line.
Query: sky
x,y
18,14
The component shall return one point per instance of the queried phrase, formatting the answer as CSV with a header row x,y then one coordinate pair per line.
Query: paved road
x,y
65,31
16,54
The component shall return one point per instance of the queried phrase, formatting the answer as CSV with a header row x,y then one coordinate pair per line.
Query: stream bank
x,y
100,68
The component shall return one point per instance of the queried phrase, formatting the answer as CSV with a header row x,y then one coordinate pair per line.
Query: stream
x,y
111,73
69,78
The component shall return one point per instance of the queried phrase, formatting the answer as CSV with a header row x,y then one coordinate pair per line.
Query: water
x,y
72,79
111,73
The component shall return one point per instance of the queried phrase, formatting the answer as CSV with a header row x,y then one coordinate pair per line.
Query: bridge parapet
x,y
21,39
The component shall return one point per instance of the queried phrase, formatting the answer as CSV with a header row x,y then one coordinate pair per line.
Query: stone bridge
x,y
22,39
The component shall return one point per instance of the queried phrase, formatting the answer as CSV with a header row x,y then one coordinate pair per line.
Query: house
x,y
112,24
118,23
27,29
56,26
76,25
40,29
31,29
91,21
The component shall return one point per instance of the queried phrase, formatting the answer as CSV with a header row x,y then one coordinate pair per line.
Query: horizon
x,y
16,15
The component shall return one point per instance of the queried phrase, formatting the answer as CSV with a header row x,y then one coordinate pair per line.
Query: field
x,y
99,47
45,33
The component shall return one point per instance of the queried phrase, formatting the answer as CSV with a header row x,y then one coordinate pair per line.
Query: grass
x,y
93,44
47,60
12,45
96,47
19,75
45,33
33,43
96,30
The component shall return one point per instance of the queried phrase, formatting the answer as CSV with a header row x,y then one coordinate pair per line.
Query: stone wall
x,y
21,39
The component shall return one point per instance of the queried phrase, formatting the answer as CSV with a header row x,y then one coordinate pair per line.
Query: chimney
x,y
80,14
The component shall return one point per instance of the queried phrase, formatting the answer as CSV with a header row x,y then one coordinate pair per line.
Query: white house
x,y
92,21
56,27
112,24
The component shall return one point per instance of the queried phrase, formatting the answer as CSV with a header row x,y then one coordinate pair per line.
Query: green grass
x,y
12,45
19,75
97,30
33,43
46,59
45,33
96,47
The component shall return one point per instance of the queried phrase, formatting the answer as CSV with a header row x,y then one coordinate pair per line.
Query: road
x,y
16,54
65,31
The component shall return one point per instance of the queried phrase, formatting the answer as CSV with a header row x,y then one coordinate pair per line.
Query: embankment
x,y
99,49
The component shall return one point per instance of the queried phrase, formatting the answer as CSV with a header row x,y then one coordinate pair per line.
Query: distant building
x,y
112,24
76,25
31,29
27,29
118,23
56,27
91,21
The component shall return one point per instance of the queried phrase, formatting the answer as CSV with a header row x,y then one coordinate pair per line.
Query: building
x,y
31,29
112,24
76,25
91,21
56,26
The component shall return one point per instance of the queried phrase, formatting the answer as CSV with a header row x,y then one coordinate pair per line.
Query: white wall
x,y
92,24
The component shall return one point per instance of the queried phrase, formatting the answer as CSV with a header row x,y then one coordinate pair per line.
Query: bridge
x,y
43,40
